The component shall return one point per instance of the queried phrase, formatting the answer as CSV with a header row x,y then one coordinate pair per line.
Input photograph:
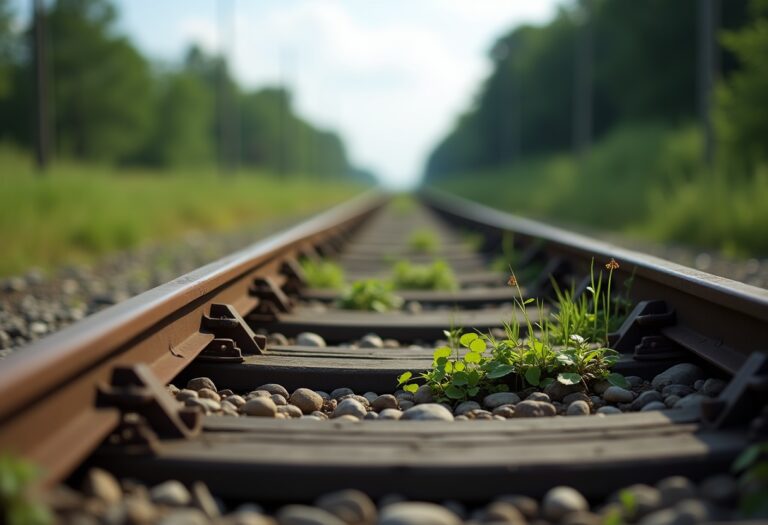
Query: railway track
x,y
96,394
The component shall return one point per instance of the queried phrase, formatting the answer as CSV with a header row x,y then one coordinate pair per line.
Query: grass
x,y
370,295
645,180
435,276
77,212
424,240
323,274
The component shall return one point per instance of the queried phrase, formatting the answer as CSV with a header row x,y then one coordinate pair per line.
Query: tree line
x,y
109,103
600,64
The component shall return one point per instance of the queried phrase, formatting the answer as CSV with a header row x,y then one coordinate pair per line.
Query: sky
x,y
391,76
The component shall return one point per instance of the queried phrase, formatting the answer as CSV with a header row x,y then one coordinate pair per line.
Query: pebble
x,y
291,411
653,405
561,501
675,489
371,415
671,401
310,339
505,411
423,395
581,517
201,382
417,513
676,390
608,410
646,397
260,407
371,341
184,517
502,512
203,500
208,405
172,493
538,396
371,396
466,406
599,386
384,402
306,515
681,374
341,392
274,388
183,395
349,407
557,391
277,339
428,412
576,396
530,408
646,499
102,485
278,400
616,394
713,387
527,506
390,414
350,506
578,408
722,489
307,400
635,381
691,401
405,405
500,398
258,393
207,393
225,393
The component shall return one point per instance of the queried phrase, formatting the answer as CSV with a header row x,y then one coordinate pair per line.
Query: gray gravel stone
x,y
417,513
676,390
289,410
691,401
578,408
500,398
608,410
341,392
576,396
101,485
647,499
185,394
616,394
277,339
350,506
207,393
423,395
405,405
349,407
538,396
502,512
505,411
653,405
259,407
527,506
557,391
674,489
274,388
644,398
383,402
529,408
201,382
428,412
184,516
671,401
466,406
371,341
390,413
722,489
310,339
278,400
561,501
172,493
307,400
371,396
306,515
682,374
713,387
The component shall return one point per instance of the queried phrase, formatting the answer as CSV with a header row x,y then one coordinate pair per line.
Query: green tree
x,y
742,101
102,97
6,43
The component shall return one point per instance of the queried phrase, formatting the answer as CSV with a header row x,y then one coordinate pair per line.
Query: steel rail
x,y
731,315
48,390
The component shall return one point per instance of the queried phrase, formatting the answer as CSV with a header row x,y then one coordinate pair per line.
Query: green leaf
x,y
546,382
447,334
443,351
628,501
454,392
466,339
474,377
500,371
478,345
533,375
472,357
746,458
440,362
529,301
473,391
411,388
459,366
564,359
404,377
569,378
448,367
617,380
460,379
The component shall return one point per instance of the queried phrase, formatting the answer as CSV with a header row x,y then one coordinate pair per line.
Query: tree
x,y
102,98
742,100
6,43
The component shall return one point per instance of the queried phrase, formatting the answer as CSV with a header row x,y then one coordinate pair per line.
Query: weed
x,y
472,240
370,294
752,468
403,204
491,365
323,274
16,505
435,276
424,240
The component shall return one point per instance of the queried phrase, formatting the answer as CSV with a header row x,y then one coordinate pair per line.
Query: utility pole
x,y
42,108
583,72
708,70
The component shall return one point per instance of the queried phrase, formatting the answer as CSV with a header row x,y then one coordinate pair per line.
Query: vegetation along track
x,y
105,392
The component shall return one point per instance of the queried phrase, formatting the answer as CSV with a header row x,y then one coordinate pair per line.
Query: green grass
x,y
435,276
78,212
323,274
424,240
645,180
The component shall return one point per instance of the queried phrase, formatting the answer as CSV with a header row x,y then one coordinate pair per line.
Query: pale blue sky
x,y
390,75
